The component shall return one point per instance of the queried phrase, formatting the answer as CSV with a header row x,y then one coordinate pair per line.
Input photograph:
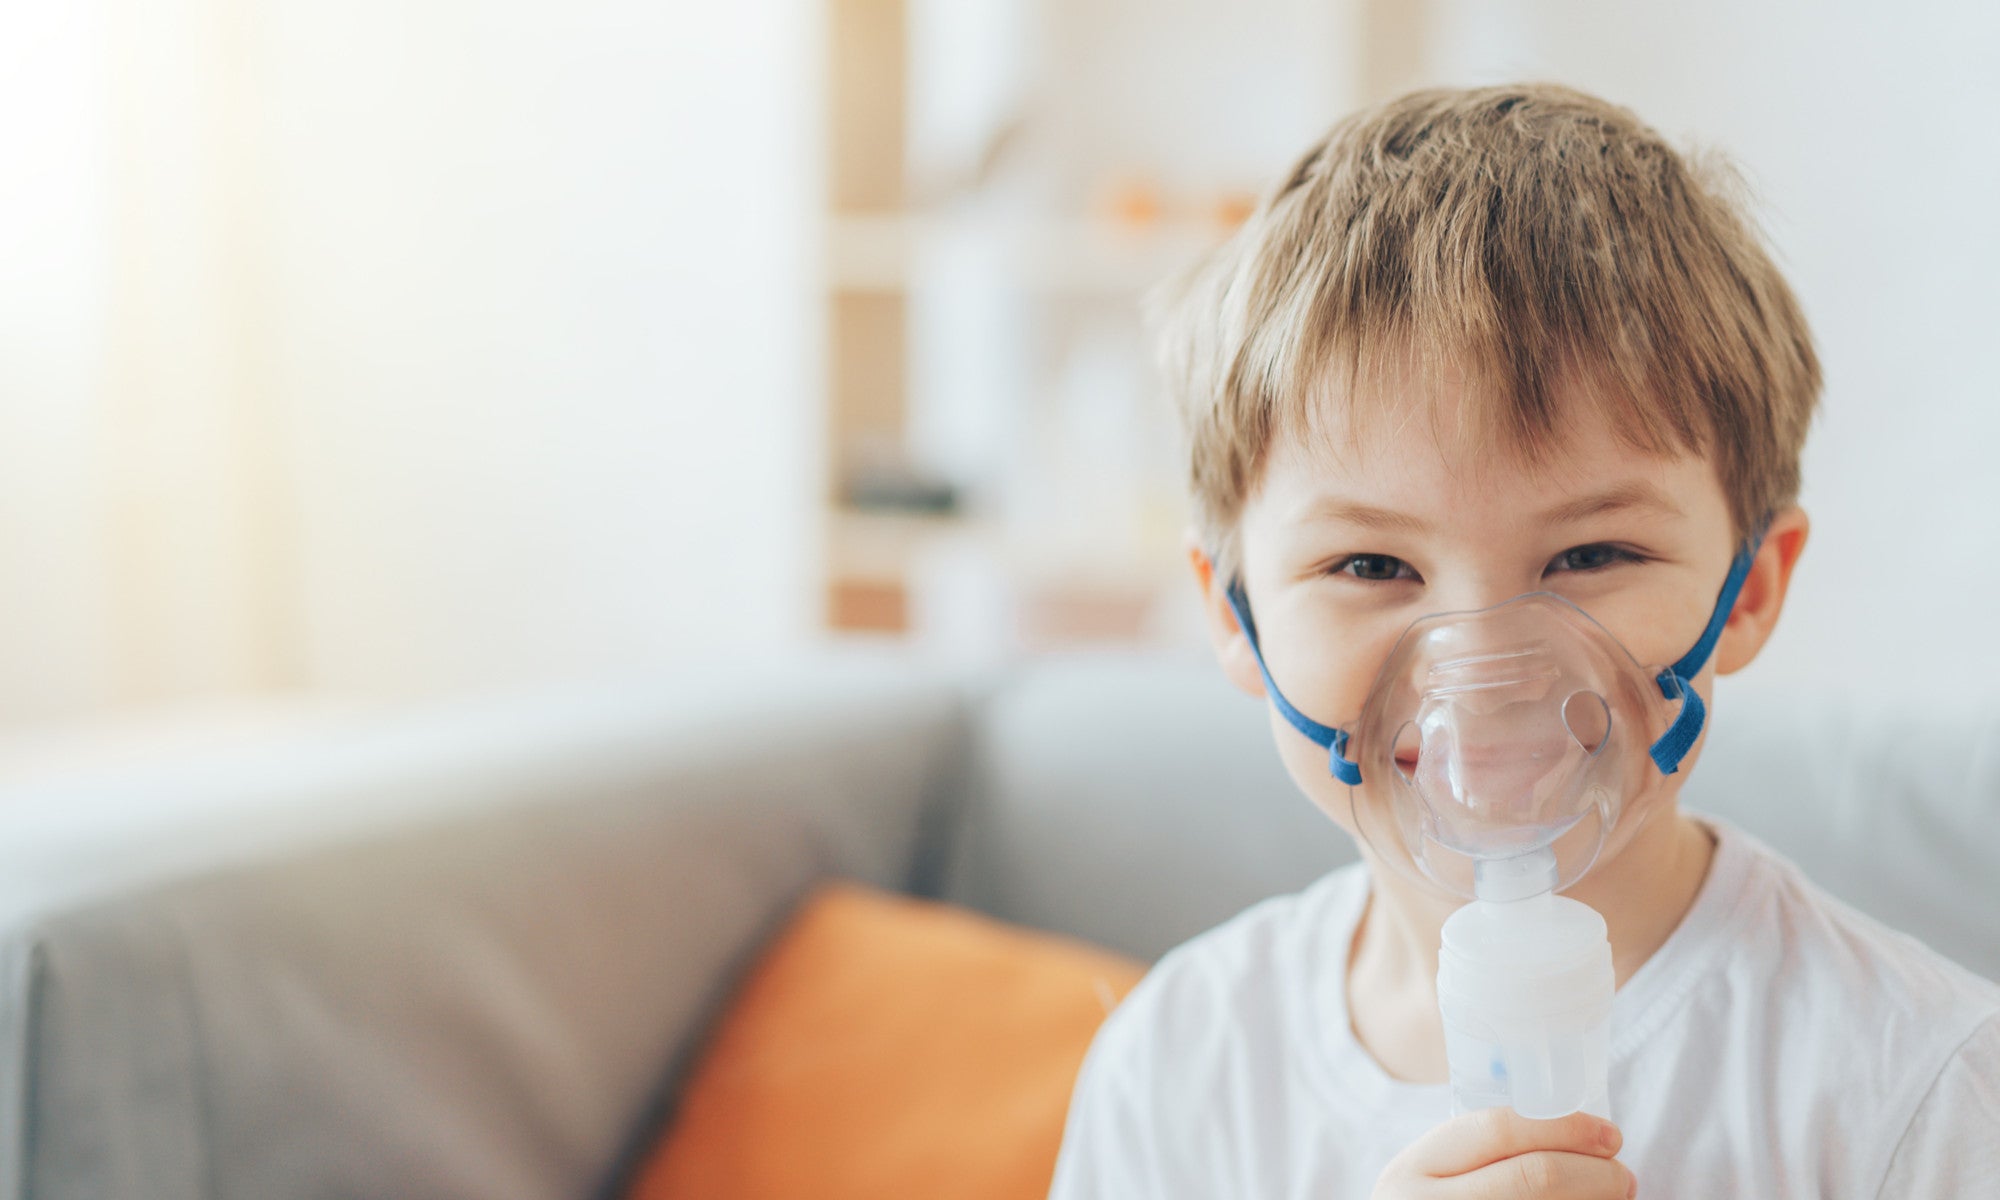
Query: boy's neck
x,y
1391,974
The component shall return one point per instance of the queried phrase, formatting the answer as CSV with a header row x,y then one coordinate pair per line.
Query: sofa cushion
x,y
890,1046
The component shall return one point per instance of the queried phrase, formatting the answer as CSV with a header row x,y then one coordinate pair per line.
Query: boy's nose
x,y
1473,594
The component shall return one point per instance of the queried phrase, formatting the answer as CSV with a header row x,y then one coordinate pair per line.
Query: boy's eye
x,y
1377,568
1591,558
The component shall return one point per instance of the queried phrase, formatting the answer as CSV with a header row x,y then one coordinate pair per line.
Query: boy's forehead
x,y
1433,451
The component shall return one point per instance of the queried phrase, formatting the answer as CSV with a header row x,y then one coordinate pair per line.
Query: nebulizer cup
x,y
1497,745
1524,990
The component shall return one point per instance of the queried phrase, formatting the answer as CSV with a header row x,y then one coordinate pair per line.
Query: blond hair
x,y
1526,238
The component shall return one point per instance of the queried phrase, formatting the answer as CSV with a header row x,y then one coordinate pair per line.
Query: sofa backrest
x,y
1137,799
1131,800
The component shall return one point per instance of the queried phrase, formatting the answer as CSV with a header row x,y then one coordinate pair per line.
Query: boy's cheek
x,y
1327,666
1306,763
1326,669
1661,627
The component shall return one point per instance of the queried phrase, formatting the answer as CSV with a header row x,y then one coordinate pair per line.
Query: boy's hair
x,y
1526,238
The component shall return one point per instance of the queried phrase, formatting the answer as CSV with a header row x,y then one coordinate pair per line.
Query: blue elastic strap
x,y
1678,680
1335,740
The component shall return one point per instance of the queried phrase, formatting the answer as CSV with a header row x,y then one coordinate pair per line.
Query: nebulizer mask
x,y
1505,751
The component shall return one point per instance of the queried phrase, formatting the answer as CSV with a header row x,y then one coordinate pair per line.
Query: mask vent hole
x,y
1403,751
1588,719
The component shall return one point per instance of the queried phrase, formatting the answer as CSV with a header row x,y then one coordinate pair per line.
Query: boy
x,y
1480,344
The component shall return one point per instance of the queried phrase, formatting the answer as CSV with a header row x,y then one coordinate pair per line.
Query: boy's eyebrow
x,y
1633,494
1368,516
1630,495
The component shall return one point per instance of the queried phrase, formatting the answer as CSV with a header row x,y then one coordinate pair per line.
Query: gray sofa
x,y
468,948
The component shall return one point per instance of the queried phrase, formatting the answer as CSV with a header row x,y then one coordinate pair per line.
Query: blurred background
x,y
382,349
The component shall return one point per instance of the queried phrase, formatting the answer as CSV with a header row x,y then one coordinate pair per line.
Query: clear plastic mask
x,y
1506,748
1502,751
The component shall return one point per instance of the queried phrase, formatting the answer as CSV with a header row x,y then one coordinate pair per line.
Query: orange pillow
x,y
889,1046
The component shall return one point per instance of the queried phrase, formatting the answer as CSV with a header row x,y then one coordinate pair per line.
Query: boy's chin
x,y
1646,825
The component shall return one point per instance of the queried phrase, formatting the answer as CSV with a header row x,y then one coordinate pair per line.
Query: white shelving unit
x,y
1006,180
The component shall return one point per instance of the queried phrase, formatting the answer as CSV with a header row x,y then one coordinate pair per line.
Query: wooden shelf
x,y
982,579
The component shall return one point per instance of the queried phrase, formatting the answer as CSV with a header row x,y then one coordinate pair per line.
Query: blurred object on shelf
x,y
866,606
1137,203
1231,209
1133,203
898,487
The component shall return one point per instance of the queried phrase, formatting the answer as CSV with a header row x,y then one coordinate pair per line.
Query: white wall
x,y
53,594
1869,132
124,511
549,355
391,348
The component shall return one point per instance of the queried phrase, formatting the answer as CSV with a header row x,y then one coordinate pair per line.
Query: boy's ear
x,y
1232,648
1763,596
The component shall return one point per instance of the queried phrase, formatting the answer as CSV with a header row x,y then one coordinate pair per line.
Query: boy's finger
x,y
1546,1175
1477,1139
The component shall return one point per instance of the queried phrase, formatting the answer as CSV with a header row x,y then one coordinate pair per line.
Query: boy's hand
x,y
1498,1154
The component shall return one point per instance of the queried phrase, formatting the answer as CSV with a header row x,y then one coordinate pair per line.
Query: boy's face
x,y
1350,537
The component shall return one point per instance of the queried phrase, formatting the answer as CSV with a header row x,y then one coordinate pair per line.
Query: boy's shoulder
x,y
1854,1052
1780,924
1787,943
1769,954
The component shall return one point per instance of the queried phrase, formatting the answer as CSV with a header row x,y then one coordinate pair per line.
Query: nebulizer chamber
x,y
1496,737
1524,989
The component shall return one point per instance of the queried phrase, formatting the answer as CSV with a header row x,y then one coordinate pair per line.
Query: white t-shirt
x,y
1778,1044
